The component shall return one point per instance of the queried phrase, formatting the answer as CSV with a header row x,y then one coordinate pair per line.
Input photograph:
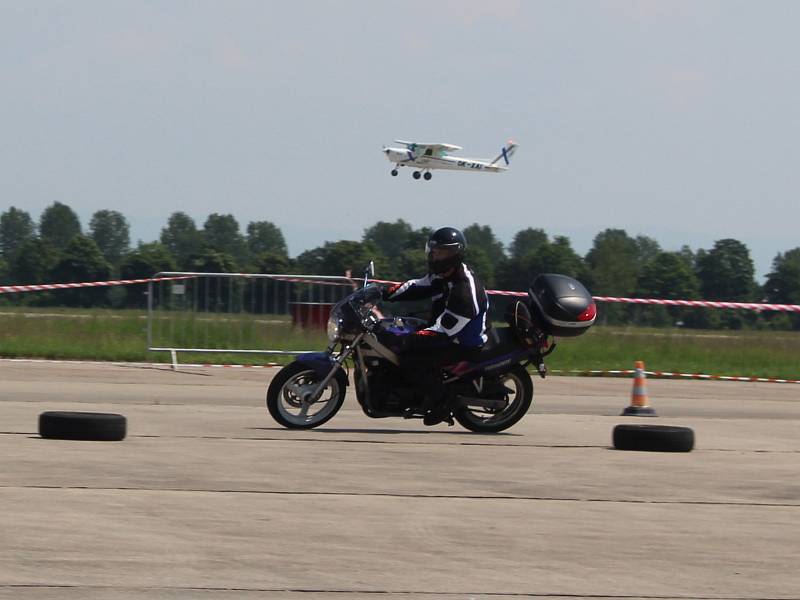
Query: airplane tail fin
x,y
506,152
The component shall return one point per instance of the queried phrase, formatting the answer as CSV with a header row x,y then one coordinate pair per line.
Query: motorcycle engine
x,y
388,391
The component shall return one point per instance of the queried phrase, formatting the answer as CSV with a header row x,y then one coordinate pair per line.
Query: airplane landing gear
x,y
394,172
416,174
427,175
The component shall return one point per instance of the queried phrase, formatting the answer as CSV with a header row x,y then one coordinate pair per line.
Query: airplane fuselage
x,y
405,158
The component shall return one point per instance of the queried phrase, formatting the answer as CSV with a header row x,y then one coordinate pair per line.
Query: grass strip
x,y
120,335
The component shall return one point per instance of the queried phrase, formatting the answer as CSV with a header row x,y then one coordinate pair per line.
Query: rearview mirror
x,y
369,272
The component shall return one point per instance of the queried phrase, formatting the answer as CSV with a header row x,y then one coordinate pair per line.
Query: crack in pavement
x,y
405,495
13,586
403,442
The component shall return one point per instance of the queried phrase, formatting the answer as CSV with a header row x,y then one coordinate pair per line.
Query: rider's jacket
x,y
459,304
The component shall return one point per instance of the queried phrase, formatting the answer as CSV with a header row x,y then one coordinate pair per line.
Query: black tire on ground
x,y
653,438
427,176
100,427
416,174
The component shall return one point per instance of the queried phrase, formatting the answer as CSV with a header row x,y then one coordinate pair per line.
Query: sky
x,y
678,120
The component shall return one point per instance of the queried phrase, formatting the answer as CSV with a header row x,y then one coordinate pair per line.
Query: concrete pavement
x,y
207,497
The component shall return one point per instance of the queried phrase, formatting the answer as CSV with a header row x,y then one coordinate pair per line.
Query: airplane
x,y
427,157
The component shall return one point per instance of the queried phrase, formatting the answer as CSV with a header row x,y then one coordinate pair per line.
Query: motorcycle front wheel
x,y
518,399
287,393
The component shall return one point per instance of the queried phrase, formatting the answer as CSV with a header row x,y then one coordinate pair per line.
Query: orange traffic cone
x,y
639,406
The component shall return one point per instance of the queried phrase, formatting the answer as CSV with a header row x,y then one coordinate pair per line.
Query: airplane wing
x,y
420,147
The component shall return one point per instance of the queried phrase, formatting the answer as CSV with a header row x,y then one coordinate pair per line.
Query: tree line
x,y
56,248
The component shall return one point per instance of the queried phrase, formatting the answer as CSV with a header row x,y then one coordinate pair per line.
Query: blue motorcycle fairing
x,y
473,369
402,326
402,330
320,362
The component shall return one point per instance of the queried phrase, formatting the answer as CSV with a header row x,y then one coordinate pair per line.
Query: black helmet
x,y
445,249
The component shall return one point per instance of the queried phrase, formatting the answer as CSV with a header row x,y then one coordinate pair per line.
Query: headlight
x,y
333,327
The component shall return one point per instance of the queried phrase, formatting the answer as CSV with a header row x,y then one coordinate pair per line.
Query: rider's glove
x,y
387,289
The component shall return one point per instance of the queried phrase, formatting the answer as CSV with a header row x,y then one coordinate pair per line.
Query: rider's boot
x,y
438,415
434,407
425,410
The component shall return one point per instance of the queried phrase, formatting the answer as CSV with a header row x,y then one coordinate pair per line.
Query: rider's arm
x,y
449,323
413,289
463,305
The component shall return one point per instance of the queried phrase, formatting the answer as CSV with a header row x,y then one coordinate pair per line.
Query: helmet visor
x,y
439,252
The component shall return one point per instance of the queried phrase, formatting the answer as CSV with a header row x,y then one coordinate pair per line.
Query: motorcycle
x,y
488,395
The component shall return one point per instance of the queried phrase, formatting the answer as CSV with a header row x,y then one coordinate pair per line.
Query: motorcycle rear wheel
x,y
480,421
285,403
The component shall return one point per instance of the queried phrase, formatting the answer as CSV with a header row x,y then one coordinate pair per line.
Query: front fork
x,y
338,362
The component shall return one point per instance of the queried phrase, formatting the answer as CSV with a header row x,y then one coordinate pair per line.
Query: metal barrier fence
x,y
240,313
243,313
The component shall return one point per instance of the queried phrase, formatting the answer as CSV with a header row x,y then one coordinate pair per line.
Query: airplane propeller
x,y
409,151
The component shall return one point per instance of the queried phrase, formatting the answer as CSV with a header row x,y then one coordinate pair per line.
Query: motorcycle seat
x,y
501,341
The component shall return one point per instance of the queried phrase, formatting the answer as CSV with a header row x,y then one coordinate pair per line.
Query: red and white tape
x,y
576,372
5,289
671,375
756,306
104,363
505,293
704,303
586,373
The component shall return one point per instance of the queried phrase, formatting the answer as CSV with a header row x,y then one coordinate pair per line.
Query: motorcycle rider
x,y
457,327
